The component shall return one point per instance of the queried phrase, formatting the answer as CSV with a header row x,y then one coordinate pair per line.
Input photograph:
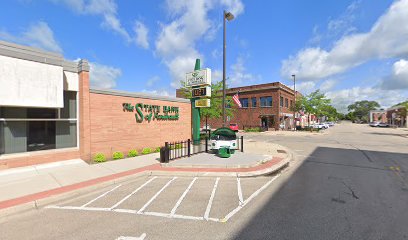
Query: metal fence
x,y
180,149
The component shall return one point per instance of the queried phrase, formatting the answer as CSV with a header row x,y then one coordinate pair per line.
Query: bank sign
x,y
148,112
198,78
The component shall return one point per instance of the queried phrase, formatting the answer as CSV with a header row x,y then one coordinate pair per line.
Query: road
x,y
347,183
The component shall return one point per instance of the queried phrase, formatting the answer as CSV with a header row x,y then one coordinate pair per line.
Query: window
x,y
253,102
286,102
281,101
291,103
244,102
32,129
266,101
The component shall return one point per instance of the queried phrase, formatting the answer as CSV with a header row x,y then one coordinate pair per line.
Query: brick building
x,y
263,105
397,116
49,112
378,116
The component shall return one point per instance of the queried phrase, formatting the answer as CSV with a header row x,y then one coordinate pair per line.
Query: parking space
x,y
191,198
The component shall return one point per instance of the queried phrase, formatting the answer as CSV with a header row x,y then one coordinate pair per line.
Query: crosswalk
x,y
200,199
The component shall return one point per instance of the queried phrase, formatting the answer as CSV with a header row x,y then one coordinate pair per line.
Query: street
x,y
349,182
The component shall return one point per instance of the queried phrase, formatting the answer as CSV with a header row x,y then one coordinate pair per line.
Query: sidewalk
x,y
30,184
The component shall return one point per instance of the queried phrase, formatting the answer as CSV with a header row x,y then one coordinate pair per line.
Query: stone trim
x,y
137,95
36,55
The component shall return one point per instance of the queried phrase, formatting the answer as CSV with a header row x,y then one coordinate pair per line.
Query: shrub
x,y
117,155
99,157
147,150
254,129
157,149
133,153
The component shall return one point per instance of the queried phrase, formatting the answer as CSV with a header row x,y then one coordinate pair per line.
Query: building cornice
x,y
36,55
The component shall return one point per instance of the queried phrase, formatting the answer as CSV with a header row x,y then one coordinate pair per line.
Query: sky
x,y
351,50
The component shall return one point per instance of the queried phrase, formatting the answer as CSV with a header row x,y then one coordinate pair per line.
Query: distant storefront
x,y
48,112
397,116
263,105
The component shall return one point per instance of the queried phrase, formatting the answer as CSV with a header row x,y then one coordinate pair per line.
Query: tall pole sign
x,y
199,82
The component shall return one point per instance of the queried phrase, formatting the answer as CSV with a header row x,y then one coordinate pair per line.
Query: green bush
x,y
157,149
99,157
254,129
147,150
133,153
117,155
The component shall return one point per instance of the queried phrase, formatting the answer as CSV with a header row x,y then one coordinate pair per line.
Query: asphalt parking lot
x,y
190,198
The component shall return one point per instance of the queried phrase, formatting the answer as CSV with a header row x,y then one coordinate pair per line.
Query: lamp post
x,y
226,16
294,106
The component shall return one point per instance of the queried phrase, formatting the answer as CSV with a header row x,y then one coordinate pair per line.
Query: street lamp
x,y
294,106
226,16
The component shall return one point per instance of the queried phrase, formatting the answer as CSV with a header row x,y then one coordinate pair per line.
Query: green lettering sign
x,y
152,112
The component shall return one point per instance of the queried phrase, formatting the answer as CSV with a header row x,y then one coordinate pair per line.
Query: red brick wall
x,y
38,158
250,116
113,129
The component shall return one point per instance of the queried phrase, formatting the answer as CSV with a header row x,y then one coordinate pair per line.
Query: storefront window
x,y
253,101
266,101
34,129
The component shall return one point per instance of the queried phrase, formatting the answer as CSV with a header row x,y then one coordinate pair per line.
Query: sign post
x,y
199,81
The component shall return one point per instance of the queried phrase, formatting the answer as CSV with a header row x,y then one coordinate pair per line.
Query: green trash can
x,y
224,152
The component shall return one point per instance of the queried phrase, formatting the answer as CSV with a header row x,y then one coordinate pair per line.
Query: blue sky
x,y
351,50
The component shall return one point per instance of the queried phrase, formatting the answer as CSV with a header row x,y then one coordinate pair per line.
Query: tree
x,y
361,109
315,103
215,111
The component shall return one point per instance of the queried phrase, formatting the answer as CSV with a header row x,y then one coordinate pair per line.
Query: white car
x,y
374,124
320,126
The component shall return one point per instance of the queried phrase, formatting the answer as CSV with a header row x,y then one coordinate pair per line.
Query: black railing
x,y
175,150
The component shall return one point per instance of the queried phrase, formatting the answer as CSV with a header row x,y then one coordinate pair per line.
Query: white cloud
x,y
38,35
159,92
399,77
151,81
387,38
103,76
306,87
342,98
327,85
176,43
141,35
239,76
105,8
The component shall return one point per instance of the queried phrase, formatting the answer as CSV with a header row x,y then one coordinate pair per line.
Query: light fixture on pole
x,y
294,106
226,16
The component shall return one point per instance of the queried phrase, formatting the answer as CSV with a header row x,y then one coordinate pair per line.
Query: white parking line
x,y
173,211
241,199
155,196
135,191
210,201
233,212
100,196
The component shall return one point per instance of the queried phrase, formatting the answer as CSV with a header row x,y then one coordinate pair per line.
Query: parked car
x,y
374,124
234,127
319,126
384,125
331,124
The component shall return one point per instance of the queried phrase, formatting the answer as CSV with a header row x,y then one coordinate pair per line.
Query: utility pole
x,y
226,16
294,103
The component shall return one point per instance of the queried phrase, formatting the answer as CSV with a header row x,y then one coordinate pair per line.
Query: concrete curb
x,y
23,206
